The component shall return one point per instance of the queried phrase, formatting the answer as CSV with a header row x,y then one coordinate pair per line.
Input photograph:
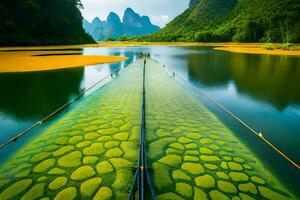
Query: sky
x,y
160,11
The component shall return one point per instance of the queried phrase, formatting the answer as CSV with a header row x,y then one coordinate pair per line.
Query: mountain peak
x,y
113,18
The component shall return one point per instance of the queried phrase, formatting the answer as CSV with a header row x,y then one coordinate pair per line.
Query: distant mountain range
x,y
132,25
234,20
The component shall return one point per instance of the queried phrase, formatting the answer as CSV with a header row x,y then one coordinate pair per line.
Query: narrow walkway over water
x,y
90,153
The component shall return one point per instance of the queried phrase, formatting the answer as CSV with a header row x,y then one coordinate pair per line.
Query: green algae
x,y
103,193
171,160
104,167
193,168
71,160
184,189
90,186
82,173
180,175
205,181
56,171
58,183
69,193
226,186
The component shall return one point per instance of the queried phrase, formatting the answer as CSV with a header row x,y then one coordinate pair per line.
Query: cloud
x,y
159,11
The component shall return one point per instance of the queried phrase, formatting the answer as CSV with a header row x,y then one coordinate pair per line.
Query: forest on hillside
x,y
234,20
41,22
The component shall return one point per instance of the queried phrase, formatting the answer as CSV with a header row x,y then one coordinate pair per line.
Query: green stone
x,y
83,144
209,158
111,144
211,166
56,171
248,187
162,179
194,135
63,150
199,194
226,187
216,195
206,141
120,163
75,139
71,160
108,131
184,189
12,191
173,151
270,194
42,178
123,136
206,181
117,123
190,158
61,140
235,166
82,173
90,128
177,146
43,166
184,140
115,152
214,147
104,193
205,150
224,165
258,180
69,193
35,192
222,175
40,156
238,176
104,138
171,160
91,136
89,159
180,175
193,168
94,149
90,186
169,196
104,167
58,183
191,146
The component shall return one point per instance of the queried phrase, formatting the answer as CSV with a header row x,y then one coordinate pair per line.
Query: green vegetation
x,y
232,20
47,22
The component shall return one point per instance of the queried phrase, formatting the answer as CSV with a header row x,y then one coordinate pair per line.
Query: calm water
x,y
263,90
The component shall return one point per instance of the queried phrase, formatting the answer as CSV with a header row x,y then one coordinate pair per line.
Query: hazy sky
x,y
159,11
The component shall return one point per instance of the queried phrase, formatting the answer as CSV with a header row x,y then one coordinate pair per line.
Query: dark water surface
x,y
263,90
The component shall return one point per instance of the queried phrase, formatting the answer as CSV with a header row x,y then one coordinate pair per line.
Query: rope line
x,y
259,134
15,138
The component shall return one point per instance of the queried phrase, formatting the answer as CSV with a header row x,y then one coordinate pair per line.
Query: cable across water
x,y
259,134
38,123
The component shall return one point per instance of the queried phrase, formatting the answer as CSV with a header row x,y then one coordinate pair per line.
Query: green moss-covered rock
x,y
57,183
104,193
205,150
190,159
123,177
245,197
90,128
104,138
108,131
194,135
258,180
120,163
180,175
63,150
90,186
157,147
162,178
89,160
270,194
169,196
193,168
184,140
238,176
222,175
226,186
82,173
75,139
111,144
123,136
130,150
71,160
248,187
115,152
177,146
206,181
42,178
61,140
224,165
69,193
235,166
171,160
95,149
40,156
209,158
91,136
83,144
206,141
35,192
210,166
199,194
104,167
184,189
43,166
216,195
191,146
12,191
56,171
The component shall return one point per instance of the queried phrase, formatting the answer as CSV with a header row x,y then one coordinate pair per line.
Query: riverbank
x,y
16,60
